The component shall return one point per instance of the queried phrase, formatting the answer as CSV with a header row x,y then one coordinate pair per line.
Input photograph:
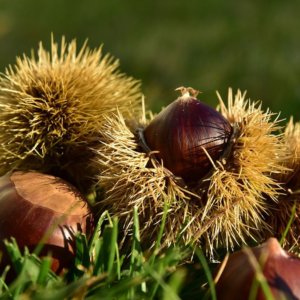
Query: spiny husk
x,y
226,209
51,107
242,182
288,205
292,160
129,181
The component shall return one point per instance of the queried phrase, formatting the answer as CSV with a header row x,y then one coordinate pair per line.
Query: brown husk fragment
x,y
224,210
51,108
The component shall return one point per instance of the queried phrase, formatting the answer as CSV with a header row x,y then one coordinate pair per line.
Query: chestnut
x,y
35,208
185,132
280,269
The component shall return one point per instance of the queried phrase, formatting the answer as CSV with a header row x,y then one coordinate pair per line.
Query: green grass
x,y
101,270
104,270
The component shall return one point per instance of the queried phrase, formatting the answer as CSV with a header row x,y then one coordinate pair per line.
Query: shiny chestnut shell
x,y
33,205
280,268
181,131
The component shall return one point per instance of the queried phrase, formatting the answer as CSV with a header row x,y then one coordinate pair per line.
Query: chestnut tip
x,y
187,92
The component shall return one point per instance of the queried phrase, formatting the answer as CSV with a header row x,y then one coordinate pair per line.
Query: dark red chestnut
x,y
280,269
35,206
182,131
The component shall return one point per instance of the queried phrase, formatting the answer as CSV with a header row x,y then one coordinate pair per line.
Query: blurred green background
x,y
209,45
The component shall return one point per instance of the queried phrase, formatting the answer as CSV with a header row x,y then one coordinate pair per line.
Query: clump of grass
x,y
102,271
99,270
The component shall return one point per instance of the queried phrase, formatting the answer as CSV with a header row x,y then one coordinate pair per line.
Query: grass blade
x,y
44,271
207,272
110,241
289,224
175,283
160,233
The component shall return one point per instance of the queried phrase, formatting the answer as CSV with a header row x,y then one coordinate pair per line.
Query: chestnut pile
x,y
72,124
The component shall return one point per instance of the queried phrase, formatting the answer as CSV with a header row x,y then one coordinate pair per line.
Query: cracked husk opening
x,y
226,209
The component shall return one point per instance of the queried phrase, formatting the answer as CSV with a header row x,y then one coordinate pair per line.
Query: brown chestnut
x,y
280,269
184,133
35,207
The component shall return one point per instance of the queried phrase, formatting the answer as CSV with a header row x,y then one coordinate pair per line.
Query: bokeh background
x,y
209,45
